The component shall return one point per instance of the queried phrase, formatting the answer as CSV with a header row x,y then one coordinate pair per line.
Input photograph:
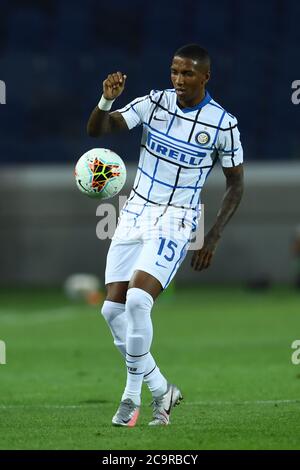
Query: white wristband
x,y
104,104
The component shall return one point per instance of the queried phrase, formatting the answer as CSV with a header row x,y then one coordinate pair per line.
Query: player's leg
x,y
116,291
155,268
143,280
120,261
143,289
113,310
139,302
119,265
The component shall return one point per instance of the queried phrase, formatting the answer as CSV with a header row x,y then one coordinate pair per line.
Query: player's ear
x,y
207,76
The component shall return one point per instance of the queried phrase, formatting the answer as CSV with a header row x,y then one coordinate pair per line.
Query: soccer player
x,y
184,133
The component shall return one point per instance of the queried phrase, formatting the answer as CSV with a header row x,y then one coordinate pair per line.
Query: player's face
x,y
189,80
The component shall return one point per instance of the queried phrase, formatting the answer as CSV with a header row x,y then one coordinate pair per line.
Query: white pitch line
x,y
39,317
197,403
58,407
43,311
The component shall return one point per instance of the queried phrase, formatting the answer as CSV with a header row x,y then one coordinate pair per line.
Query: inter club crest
x,y
202,138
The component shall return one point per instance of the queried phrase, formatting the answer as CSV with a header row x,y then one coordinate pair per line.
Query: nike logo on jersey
x,y
157,119
160,265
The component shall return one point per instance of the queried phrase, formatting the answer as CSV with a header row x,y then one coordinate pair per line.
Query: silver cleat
x,y
127,414
163,405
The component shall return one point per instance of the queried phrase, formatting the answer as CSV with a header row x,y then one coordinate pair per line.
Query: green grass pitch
x,y
228,349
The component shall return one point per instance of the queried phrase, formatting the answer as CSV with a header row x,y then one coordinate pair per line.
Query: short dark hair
x,y
194,52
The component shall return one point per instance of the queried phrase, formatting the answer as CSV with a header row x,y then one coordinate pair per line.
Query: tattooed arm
x,y
234,190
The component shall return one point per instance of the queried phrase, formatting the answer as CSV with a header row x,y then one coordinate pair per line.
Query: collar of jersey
x,y
200,105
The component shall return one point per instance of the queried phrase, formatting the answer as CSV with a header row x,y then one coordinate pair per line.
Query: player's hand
x,y
113,85
202,258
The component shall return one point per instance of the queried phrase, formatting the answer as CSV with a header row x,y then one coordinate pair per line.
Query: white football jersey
x,y
179,147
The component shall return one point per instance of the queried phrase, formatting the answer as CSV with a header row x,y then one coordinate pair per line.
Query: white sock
x,y
153,377
114,314
138,341
116,318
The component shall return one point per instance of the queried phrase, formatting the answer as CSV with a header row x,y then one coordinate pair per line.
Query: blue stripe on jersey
x,y
130,212
171,123
209,170
182,253
150,189
216,105
179,140
168,110
135,110
164,140
131,106
194,194
175,163
128,109
169,185
200,176
219,125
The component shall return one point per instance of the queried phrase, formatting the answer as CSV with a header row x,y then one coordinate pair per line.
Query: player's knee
x,y
138,302
110,311
106,312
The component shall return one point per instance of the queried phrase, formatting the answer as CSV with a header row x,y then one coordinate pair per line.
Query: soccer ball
x,y
100,173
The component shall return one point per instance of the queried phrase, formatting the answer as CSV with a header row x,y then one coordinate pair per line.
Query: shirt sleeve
x,y
135,112
229,145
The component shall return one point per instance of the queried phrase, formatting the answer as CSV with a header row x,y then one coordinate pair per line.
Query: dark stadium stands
x,y
55,54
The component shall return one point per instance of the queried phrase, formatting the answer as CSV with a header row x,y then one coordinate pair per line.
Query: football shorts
x,y
152,242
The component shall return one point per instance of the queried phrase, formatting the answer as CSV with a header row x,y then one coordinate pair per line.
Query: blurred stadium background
x,y
54,56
